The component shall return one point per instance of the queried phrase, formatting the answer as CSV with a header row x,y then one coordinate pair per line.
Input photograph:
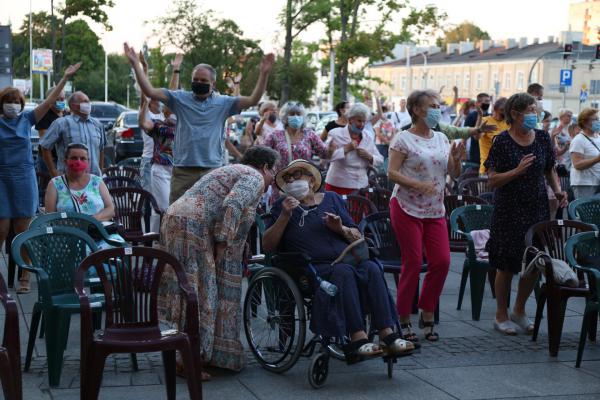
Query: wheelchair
x,y
276,309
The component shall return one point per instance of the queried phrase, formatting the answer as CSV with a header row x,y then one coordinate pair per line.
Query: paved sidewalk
x,y
471,361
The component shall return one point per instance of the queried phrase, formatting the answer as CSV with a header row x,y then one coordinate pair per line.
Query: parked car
x,y
124,139
313,118
107,113
327,118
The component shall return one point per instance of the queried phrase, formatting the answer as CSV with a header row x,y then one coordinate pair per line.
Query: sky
x,y
258,19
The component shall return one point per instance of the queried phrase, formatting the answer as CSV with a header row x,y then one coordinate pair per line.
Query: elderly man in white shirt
x,y
354,153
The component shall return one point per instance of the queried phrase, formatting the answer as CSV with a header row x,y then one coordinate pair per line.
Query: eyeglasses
x,y
293,176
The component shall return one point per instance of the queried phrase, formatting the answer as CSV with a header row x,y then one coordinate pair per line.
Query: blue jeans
x,y
146,173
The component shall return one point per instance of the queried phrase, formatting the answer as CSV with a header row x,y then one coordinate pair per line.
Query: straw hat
x,y
303,165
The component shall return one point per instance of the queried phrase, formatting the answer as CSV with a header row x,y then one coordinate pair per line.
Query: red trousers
x,y
417,237
338,190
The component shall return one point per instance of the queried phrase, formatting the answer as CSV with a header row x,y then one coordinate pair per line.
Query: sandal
x,y
523,322
431,335
360,350
24,287
407,333
507,327
394,345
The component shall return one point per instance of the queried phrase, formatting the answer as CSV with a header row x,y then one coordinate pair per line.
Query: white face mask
x,y
11,110
297,189
85,108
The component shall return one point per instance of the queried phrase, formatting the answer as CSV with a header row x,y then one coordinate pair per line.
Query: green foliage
x,y
302,75
206,39
157,67
93,9
464,31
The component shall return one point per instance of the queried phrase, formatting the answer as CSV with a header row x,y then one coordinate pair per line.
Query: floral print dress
x,y
310,144
220,207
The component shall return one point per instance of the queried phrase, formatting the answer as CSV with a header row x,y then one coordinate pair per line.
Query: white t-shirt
x,y
267,130
426,161
148,141
591,176
446,115
400,119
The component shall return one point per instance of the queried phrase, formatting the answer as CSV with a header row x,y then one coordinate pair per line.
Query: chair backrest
x,y
121,181
583,252
128,172
585,210
451,203
358,207
129,206
10,339
133,162
551,236
55,252
474,186
80,221
473,217
379,196
130,278
378,228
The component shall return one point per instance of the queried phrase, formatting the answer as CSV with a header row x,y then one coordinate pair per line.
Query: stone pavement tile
x,y
592,396
362,384
119,393
505,381
589,366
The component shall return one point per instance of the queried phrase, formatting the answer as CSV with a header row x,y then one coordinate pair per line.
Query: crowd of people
x,y
209,206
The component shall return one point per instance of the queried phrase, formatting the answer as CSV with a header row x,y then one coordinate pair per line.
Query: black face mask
x,y
272,118
200,88
485,106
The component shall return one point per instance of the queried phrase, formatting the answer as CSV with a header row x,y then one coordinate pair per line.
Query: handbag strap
x,y
288,140
73,198
591,141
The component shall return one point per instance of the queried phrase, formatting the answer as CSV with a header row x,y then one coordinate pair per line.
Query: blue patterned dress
x,y
220,207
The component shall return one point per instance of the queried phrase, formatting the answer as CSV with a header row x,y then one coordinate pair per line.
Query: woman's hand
x,y
364,154
333,222
71,70
349,147
143,62
525,163
288,205
457,151
176,63
562,198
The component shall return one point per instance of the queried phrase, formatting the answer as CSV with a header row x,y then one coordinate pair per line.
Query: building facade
x,y
585,17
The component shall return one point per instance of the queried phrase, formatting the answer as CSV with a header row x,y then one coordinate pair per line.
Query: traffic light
x,y
598,52
568,50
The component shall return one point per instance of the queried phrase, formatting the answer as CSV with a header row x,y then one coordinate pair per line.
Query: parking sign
x,y
566,77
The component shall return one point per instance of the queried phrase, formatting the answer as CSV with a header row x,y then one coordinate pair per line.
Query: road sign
x,y
566,77
583,96
42,60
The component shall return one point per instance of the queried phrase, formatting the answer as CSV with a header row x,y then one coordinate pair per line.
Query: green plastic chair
x,y
583,253
472,217
55,254
585,210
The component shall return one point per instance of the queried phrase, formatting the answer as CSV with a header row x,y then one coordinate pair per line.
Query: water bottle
x,y
328,287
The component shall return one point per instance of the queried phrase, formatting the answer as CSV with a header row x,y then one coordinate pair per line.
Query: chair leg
x,y
93,375
169,364
463,284
55,339
538,313
593,327
9,386
492,281
583,334
477,281
42,327
134,363
193,365
35,322
556,315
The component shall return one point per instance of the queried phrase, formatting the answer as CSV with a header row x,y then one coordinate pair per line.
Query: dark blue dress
x,y
18,183
343,314
520,203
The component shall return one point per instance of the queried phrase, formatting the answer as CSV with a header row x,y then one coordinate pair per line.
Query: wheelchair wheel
x,y
274,320
318,370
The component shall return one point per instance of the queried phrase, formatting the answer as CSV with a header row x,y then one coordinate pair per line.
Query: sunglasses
x,y
293,176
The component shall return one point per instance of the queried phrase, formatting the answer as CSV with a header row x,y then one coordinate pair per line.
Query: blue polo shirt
x,y
200,127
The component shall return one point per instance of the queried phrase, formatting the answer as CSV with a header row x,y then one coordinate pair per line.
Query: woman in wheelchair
x,y
318,225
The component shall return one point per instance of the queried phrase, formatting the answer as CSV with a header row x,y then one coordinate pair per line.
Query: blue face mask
x,y
60,105
530,121
596,126
354,129
433,117
295,121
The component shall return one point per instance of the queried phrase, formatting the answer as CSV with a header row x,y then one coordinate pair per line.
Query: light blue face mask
x,y
530,121
596,126
295,121
354,129
433,117
60,105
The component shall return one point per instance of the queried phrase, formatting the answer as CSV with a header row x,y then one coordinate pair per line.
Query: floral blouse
x,y
426,161
310,144
88,200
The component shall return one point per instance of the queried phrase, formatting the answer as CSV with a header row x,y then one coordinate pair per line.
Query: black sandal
x,y
431,335
407,333
360,350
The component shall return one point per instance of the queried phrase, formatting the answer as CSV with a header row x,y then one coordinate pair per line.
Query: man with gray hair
x,y
201,115
78,127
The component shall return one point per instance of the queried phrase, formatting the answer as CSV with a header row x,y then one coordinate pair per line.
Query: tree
x,y
206,39
302,77
464,31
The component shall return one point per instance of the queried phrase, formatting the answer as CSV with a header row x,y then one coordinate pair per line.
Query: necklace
x,y
304,214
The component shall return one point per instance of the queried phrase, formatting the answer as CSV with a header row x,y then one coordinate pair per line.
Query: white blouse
x,y
349,171
426,161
